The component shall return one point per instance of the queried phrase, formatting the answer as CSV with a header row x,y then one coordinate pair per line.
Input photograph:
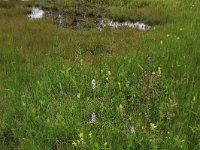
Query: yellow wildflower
x,y
81,136
120,109
159,71
81,61
119,84
74,143
90,135
48,120
109,73
153,126
78,141
23,104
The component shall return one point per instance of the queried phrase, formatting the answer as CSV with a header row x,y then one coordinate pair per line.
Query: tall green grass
x,y
46,100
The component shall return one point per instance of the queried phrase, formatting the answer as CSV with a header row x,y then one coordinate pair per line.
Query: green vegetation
x,y
147,82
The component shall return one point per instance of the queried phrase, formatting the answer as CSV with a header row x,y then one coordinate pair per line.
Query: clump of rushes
x,y
149,81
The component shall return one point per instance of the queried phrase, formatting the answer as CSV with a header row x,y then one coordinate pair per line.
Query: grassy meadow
x,y
119,89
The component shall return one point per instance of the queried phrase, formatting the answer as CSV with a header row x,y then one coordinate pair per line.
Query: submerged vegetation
x,y
81,88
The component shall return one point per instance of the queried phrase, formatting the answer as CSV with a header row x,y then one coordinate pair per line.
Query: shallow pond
x,y
67,20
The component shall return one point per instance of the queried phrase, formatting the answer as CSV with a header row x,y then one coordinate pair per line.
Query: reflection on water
x,y
112,24
36,13
66,20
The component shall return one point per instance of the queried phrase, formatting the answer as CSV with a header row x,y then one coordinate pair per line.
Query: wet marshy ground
x,y
82,15
65,20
